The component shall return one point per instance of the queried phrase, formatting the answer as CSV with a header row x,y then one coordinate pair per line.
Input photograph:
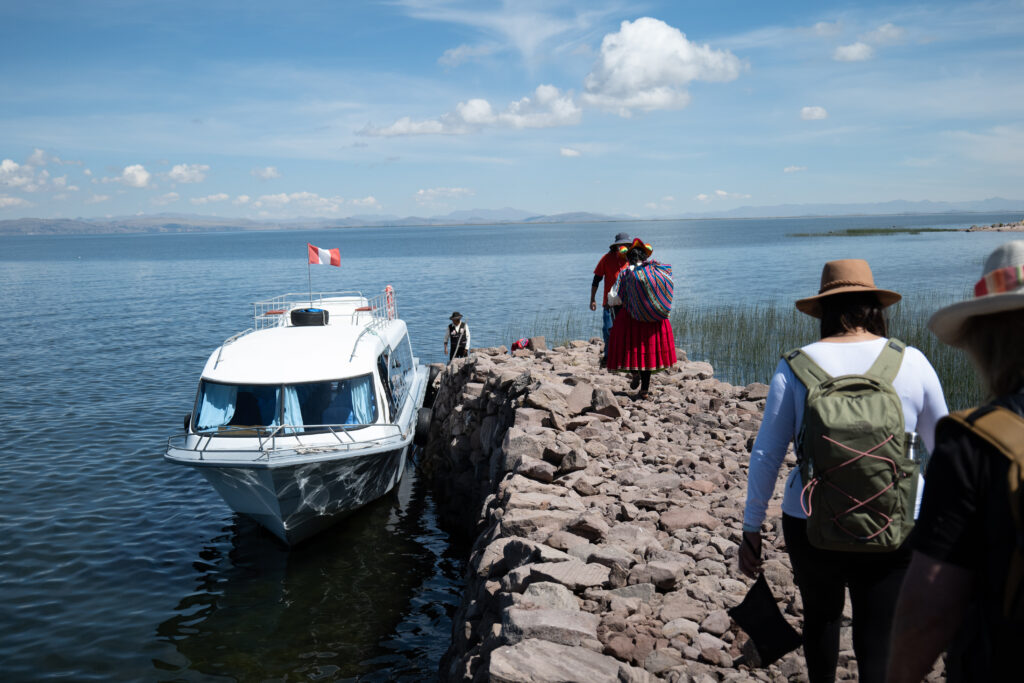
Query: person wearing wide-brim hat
x,y
853,332
607,269
456,337
964,578
635,346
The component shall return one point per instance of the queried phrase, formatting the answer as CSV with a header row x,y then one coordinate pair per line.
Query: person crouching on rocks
x,y
829,556
637,346
456,337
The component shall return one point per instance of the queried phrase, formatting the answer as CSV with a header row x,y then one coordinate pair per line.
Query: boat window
x,y
312,406
400,371
382,370
232,407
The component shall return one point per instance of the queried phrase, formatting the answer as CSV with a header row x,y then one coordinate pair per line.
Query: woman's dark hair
x,y
846,312
993,344
636,255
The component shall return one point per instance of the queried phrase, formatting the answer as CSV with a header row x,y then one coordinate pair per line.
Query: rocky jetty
x,y
606,529
998,227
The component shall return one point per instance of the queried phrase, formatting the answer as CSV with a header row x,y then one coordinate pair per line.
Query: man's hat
x,y
455,316
1001,288
620,239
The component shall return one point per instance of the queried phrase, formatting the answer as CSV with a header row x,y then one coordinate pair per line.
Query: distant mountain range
x,y
171,222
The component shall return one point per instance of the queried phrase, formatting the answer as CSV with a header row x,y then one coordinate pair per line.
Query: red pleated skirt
x,y
635,345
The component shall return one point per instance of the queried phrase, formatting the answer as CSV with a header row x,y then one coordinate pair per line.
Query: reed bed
x,y
744,342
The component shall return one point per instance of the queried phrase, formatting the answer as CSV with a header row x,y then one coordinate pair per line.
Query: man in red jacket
x,y
608,269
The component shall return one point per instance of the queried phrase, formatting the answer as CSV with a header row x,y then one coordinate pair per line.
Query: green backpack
x,y
860,487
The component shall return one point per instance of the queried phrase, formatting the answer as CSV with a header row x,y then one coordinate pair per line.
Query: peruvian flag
x,y
324,257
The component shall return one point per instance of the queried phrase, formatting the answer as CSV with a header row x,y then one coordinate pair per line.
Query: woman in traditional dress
x,y
636,346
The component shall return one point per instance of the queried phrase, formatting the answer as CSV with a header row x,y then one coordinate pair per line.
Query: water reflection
x,y
326,609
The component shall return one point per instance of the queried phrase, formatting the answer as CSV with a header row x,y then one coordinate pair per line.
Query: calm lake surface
x,y
117,565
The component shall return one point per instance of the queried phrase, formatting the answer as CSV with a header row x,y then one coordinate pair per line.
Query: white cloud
x,y
37,158
266,173
434,194
368,201
7,202
720,194
463,53
97,198
569,152
87,172
210,199
307,202
165,199
813,113
189,173
668,198
135,176
886,33
241,199
648,64
857,52
794,169
827,28
547,107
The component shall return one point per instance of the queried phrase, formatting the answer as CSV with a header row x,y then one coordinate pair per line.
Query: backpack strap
x,y
887,365
1004,430
805,369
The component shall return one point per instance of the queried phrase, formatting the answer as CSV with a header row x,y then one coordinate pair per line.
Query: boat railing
x,y
269,447
376,310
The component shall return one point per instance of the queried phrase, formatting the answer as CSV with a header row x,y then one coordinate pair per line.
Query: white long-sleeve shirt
x,y
916,384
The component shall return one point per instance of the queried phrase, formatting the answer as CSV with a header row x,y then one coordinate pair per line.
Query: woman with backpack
x,y
639,346
967,574
850,403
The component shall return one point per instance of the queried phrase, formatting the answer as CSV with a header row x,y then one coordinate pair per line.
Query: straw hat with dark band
x,y
840,277
1001,288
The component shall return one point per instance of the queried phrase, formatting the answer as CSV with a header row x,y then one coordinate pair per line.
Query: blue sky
x,y
421,107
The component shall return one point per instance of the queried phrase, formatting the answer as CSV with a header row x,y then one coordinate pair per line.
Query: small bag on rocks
x,y
860,487
646,291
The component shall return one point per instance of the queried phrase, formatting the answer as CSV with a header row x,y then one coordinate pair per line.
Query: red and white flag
x,y
324,257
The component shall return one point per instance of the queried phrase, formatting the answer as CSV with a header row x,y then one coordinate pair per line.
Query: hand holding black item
x,y
750,554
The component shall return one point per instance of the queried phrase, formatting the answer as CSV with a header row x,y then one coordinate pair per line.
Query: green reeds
x,y
744,342
869,232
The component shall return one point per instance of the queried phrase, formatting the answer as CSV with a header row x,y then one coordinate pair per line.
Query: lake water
x,y
117,565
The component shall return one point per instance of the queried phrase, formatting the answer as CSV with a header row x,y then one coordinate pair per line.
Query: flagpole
x,y
309,279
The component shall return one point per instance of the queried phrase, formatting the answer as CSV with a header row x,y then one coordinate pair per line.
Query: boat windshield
x,y
307,408
237,408
313,406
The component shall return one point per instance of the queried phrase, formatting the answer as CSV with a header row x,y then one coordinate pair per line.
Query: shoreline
x,y
65,227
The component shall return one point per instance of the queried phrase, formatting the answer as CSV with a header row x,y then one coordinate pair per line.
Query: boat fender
x,y
309,317
423,420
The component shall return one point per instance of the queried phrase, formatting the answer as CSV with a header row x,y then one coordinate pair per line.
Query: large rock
x,y
605,403
574,575
541,661
548,595
567,627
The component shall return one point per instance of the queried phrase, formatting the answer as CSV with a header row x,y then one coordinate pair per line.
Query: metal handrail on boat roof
x,y
266,312
268,447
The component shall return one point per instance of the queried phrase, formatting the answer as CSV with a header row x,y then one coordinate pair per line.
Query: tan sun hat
x,y
846,275
1001,288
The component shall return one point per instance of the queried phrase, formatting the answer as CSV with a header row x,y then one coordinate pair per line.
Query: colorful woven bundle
x,y
646,291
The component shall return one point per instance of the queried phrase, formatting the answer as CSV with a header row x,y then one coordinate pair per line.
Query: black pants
x,y
874,580
457,351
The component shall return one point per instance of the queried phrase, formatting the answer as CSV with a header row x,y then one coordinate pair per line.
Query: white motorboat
x,y
308,415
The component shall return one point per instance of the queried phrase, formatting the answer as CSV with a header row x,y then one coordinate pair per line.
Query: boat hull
x,y
296,501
